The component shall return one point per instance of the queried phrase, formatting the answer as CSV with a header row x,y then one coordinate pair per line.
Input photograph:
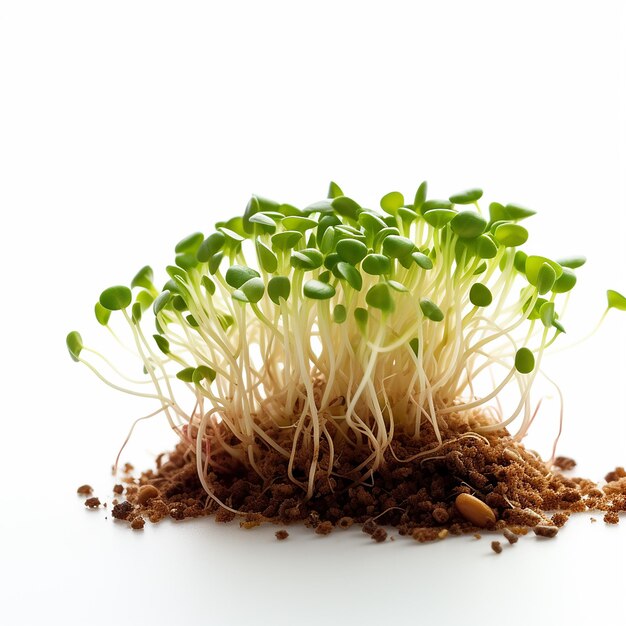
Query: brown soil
x,y
415,496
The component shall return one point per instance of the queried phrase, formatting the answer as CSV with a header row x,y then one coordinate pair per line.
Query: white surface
x,y
124,126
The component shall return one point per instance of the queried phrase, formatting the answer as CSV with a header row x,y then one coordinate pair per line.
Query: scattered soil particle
x,y
564,463
281,535
560,519
616,474
122,510
370,527
345,522
611,518
137,523
324,528
477,536
593,520
543,530
118,489
379,535
85,490
510,536
128,468
92,503
496,546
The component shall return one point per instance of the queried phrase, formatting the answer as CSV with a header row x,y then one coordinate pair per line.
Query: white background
x,y
126,125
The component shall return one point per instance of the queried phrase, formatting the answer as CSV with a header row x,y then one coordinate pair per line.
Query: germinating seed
x,y
474,510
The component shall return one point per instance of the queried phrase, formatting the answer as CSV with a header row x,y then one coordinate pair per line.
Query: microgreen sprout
x,y
341,325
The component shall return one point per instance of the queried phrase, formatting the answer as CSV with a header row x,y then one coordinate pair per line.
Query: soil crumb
x,y
414,490
92,503
85,490
281,535
496,546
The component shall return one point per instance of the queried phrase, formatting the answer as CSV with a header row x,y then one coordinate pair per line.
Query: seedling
x,y
336,324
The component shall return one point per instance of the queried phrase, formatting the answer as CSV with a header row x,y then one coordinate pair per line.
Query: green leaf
x,y
346,271
511,235
468,224
161,301
423,261
317,290
237,275
288,209
420,197
391,202
480,295
186,375
307,259
267,259
102,314
253,289
485,247
116,298
408,216
144,299
230,234
186,261
136,312
616,300
438,218
190,244
301,224
339,314
264,222
191,320
162,343
279,287
331,260
351,250
370,222
334,190
480,269
382,234
376,264
214,262
414,344
510,212
210,246
226,321
546,312
546,278
431,310
143,278
572,262
286,240
533,266
347,207
360,317
396,247
467,197
379,297
208,284
429,205
565,282
203,372
397,286
524,361
519,262
74,343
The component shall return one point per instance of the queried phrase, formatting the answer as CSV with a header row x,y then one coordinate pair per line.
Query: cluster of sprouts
x,y
341,324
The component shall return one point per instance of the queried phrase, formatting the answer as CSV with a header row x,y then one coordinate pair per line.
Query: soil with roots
x,y
413,490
